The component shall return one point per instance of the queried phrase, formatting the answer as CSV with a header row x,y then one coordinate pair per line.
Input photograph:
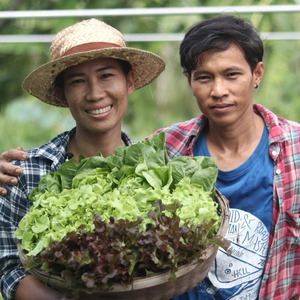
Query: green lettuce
x,y
123,189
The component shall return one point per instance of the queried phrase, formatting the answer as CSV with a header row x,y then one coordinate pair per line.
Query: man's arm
x,y
9,172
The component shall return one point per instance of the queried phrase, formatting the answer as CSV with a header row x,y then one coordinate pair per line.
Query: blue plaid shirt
x,y
48,158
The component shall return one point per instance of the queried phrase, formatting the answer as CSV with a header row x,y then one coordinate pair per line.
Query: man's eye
x,y
202,78
232,74
106,75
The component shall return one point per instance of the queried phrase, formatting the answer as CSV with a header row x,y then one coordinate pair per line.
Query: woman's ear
x,y
130,82
61,95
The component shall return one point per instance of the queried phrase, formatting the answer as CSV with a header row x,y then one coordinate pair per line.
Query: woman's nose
x,y
95,92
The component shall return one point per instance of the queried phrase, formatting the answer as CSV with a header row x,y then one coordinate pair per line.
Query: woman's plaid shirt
x,y
16,204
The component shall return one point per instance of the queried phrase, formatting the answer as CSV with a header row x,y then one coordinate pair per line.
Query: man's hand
x,y
8,172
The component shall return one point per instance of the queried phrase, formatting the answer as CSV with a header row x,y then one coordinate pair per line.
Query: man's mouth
x,y
221,107
100,110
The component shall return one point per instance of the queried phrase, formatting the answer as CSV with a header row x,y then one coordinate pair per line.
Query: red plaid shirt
x,y
281,278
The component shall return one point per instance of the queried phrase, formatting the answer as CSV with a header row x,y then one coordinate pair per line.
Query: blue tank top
x,y
249,189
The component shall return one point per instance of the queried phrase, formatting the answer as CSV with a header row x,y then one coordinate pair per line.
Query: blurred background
x,y
26,121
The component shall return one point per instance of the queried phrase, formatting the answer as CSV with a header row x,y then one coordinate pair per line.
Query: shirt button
x,y
274,153
278,171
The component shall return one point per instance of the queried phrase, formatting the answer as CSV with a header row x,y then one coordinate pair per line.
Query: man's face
x,y
223,86
97,94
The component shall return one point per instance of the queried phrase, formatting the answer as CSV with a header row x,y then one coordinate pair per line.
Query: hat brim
x,y
41,82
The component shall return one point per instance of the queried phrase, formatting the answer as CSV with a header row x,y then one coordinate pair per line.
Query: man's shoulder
x,y
277,122
187,126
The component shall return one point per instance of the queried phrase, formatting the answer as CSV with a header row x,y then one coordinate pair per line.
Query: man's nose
x,y
219,88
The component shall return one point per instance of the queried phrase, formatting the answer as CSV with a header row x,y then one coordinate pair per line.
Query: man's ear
x,y
258,73
61,95
188,77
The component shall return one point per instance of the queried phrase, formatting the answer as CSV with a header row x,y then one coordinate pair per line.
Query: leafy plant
x,y
117,251
110,219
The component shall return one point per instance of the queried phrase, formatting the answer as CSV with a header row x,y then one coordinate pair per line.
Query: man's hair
x,y
125,66
218,34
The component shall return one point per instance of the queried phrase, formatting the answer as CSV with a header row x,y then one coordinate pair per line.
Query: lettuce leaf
x,y
137,189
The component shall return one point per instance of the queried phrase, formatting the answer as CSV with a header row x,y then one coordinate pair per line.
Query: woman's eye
x,y
77,81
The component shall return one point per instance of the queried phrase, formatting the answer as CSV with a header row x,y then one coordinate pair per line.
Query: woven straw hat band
x,y
89,47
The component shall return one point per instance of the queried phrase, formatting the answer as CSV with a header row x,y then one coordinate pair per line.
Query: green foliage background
x,y
28,122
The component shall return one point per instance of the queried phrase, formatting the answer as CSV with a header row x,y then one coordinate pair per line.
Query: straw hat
x,y
88,40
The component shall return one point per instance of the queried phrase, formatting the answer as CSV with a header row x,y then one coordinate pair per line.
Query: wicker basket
x,y
152,287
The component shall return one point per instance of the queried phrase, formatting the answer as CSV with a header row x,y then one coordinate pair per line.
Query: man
x,y
93,73
258,156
